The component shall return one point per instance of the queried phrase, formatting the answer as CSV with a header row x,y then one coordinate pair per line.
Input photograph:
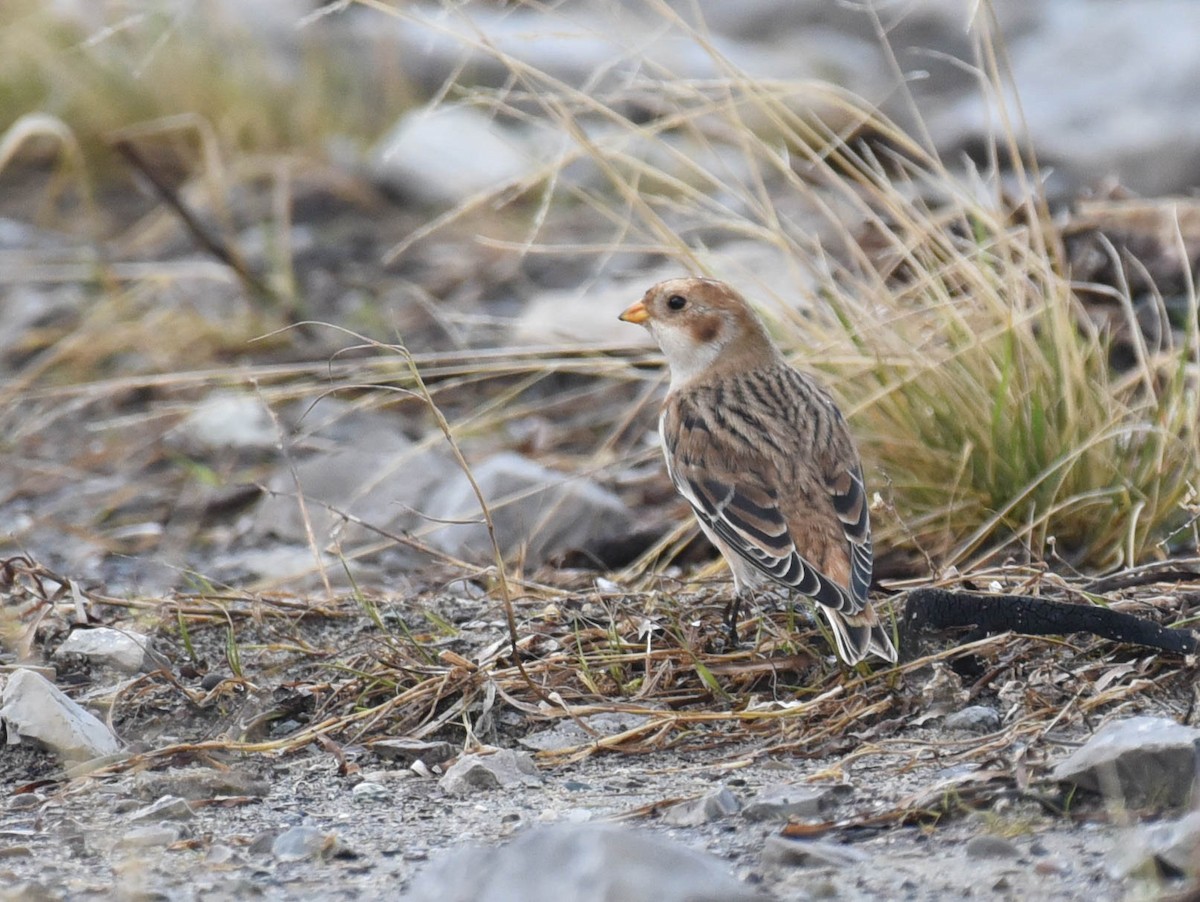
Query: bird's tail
x,y
858,635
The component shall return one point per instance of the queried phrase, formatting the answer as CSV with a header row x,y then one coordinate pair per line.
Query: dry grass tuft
x,y
942,310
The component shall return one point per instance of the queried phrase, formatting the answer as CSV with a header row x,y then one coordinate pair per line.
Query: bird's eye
x,y
676,302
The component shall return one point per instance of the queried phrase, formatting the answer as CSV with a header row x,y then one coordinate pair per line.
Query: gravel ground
x,y
378,820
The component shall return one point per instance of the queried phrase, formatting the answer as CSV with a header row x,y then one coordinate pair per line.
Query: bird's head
x,y
703,327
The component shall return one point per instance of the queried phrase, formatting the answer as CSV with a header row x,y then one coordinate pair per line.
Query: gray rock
x,y
28,307
221,855
802,800
567,733
779,850
150,836
988,846
1143,762
123,650
446,154
409,750
580,863
294,564
34,708
533,508
199,783
1173,844
713,806
370,792
1114,112
166,808
975,719
383,480
302,842
500,768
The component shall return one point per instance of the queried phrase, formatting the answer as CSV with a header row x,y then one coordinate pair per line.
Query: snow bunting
x,y
765,459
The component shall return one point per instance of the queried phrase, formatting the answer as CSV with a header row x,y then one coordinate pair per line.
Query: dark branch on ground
x,y
929,610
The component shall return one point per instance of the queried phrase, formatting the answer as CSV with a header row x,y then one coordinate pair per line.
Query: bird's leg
x,y
731,616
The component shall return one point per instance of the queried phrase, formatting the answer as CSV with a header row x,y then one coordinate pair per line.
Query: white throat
x,y
686,358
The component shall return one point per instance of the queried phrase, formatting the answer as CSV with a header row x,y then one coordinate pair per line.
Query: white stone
x,y
124,650
446,154
34,708
226,420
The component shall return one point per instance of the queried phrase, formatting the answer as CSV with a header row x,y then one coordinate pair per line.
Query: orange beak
x,y
635,313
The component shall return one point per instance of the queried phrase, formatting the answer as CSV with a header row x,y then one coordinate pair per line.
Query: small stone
x,y
211,681
199,783
705,809
122,650
975,719
779,850
1143,762
804,800
221,854
166,808
943,691
445,154
34,708
226,420
567,733
500,768
25,801
263,842
988,846
409,750
367,791
150,836
302,842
